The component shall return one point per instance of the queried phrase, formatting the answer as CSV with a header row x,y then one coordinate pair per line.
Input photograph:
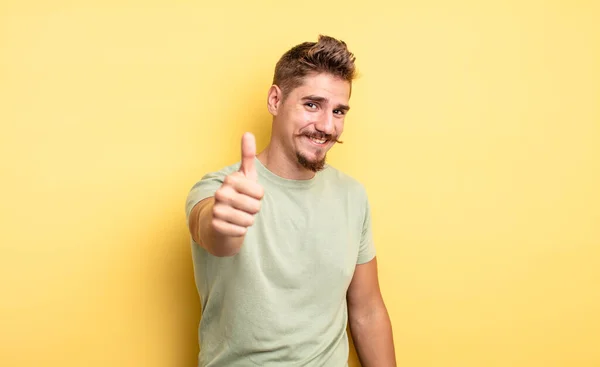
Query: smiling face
x,y
309,120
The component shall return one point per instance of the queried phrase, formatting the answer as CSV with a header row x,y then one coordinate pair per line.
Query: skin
x,y
316,108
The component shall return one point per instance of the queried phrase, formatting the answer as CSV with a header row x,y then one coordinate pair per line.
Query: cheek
x,y
308,117
304,119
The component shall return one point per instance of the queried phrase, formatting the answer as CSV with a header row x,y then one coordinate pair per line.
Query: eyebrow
x,y
325,100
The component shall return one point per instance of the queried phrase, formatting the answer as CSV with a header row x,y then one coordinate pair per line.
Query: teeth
x,y
318,141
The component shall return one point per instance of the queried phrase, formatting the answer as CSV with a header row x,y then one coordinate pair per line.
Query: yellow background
x,y
475,127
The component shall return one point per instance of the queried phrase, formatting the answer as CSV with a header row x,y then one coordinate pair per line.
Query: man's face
x,y
311,119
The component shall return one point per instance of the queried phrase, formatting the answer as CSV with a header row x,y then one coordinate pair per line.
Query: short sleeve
x,y
203,189
366,250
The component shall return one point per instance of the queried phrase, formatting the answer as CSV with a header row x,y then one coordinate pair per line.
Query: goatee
x,y
314,166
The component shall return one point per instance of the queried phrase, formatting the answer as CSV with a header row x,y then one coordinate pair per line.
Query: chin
x,y
314,165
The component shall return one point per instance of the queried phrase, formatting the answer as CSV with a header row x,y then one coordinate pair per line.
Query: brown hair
x,y
327,55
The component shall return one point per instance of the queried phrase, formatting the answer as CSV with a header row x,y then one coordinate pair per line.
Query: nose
x,y
325,124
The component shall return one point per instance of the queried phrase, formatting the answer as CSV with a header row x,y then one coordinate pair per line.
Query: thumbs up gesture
x,y
238,199
248,153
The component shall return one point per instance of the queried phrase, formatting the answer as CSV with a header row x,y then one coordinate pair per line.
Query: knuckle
x,y
217,211
216,224
260,192
224,195
220,194
232,179
255,206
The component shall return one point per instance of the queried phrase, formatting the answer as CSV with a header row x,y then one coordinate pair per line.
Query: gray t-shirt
x,y
281,301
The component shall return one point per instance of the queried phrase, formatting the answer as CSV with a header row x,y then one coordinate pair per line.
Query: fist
x,y
238,200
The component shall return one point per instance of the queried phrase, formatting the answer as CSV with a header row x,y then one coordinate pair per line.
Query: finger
x,y
248,155
228,229
228,196
245,203
233,216
240,183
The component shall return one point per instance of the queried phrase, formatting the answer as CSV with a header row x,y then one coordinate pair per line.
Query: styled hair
x,y
327,55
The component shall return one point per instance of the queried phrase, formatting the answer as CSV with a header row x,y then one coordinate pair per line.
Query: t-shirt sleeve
x,y
203,189
366,250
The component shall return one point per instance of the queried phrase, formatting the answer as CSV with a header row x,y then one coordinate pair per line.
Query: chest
x,y
305,239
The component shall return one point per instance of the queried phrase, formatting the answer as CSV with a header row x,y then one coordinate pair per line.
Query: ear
x,y
274,99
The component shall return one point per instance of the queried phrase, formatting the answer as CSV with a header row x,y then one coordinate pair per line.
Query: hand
x,y
239,198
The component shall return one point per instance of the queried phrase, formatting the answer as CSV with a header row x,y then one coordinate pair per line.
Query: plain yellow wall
x,y
475,127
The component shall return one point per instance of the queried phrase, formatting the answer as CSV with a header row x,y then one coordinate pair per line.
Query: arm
x,y
203,233
368,318
219,223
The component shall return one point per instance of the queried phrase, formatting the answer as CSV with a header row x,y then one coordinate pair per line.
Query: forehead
x,y
333,88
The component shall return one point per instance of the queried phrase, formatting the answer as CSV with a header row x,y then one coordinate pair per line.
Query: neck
x,y
274,158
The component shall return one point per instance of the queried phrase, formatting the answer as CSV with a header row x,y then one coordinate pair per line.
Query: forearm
x,y
373,339
215,243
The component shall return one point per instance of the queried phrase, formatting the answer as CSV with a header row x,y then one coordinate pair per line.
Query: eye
x,y
339,112
310,105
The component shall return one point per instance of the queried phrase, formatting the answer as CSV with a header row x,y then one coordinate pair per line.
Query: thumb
x,y
248,155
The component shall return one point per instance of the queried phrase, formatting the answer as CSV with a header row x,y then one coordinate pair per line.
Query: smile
x,y
317,141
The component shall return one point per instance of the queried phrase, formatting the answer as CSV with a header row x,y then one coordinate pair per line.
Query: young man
x,y
282,244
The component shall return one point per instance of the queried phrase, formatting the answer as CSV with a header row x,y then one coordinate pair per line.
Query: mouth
x,y
317,141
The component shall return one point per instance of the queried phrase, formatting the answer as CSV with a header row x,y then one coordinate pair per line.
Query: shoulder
x,y
207,185
220,173
210,181
345,181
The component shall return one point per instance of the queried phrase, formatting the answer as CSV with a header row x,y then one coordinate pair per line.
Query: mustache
x,y
317,135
